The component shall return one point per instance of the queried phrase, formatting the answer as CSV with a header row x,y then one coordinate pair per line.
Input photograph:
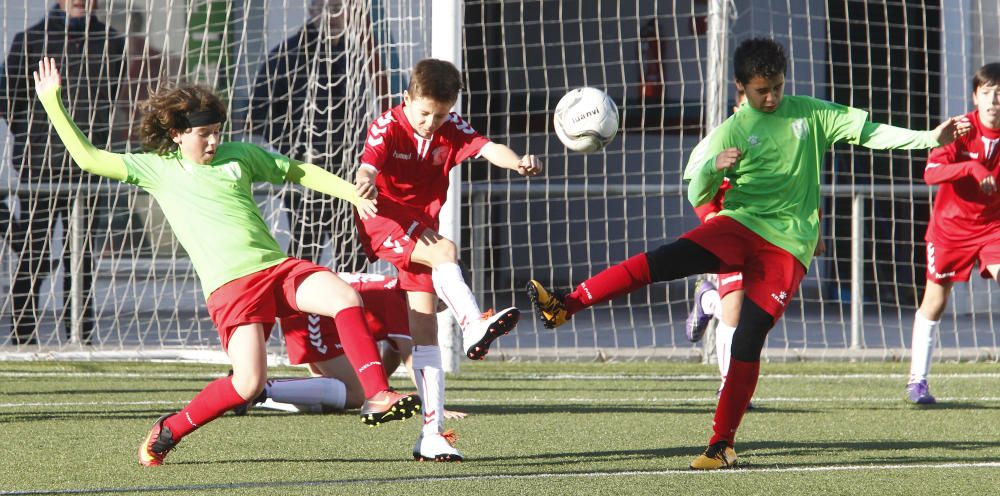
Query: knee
x,y
445,252
249,385
348,298
751,333
423,328
679,259
935,299
747,344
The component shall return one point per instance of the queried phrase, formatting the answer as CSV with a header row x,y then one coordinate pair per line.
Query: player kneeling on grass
x,y
965,224
313,340
771,150
408,155
205,191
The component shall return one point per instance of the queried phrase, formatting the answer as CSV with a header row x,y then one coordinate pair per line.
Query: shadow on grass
x,y
104,392
870,452
78,415
754,455
957,405
561,458
903,406
664,388
661,407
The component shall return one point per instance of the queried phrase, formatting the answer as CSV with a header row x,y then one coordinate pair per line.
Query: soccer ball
x,y
586,119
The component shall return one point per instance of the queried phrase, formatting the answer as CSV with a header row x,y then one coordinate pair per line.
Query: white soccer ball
x,y
586,119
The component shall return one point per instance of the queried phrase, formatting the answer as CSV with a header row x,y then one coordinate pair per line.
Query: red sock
x,y
611,283
361,351
741,381
218,397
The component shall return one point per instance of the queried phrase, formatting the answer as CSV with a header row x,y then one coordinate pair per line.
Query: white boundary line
x,y
543,475
90,403
529,377
707,399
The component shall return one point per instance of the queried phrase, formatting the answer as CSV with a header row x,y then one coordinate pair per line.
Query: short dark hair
x,y
436,79
988,74
762,57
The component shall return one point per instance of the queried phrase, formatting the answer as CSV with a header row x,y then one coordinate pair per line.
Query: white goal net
x,y
89,266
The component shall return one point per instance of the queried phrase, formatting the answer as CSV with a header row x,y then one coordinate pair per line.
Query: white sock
x,y
710,302
922,348
723,347
314,390
450,286
429,374
270,404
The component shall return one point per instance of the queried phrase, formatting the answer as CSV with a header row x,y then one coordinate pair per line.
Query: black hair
x,y
762,57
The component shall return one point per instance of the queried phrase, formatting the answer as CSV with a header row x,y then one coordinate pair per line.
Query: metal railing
x,y
479,194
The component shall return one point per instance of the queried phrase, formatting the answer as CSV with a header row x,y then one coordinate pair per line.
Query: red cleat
x,y
157,444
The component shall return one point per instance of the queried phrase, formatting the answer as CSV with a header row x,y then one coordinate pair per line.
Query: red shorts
x,y
392,236
310,338
771,275
258,297
729,282
952,262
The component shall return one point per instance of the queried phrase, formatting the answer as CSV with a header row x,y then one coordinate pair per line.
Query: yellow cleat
x,y
549,305
717,456
387,406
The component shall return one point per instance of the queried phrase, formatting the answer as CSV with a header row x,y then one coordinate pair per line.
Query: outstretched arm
x,y
885,137
84,153
502,156
319,179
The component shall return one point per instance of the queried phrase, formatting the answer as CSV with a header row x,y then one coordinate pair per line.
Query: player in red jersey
x,y
407,157
965,223
313,340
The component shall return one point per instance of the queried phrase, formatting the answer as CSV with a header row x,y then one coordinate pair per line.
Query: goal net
x,y
908,63
90,266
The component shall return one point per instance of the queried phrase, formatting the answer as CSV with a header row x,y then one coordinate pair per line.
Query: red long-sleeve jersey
x,y
962,212
714,206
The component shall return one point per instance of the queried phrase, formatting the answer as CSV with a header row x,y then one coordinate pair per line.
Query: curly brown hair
x,y
168,109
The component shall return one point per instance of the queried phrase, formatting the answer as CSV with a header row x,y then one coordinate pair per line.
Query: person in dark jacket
x,y
298,108
93,57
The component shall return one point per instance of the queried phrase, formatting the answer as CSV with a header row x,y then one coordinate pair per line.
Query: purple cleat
x,y
919,393
698,318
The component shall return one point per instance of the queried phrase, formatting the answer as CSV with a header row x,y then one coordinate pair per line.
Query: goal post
x,y
446,44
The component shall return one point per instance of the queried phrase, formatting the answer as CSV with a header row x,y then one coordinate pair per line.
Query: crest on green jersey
x,y
800,128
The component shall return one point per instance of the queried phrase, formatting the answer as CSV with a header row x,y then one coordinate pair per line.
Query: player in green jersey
x,y
771,151
204,187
